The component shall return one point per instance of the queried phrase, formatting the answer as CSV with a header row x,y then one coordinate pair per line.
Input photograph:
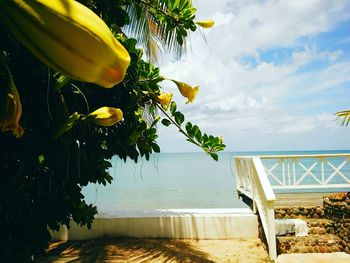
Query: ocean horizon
x,y
174,180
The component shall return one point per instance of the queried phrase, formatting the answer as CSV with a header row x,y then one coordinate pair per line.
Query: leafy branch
x,y
210,144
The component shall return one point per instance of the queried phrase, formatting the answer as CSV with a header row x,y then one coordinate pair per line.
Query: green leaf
x,y
172,107
166,122
41,158
197,133
179,118
67,125
61,80
189,129
214,156
156,120
155,147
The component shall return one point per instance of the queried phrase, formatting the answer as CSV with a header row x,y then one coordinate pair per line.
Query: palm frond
x,y
343,117
161,25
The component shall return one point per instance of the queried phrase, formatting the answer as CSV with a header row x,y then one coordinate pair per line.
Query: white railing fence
x,y
253,183
308,171
257,176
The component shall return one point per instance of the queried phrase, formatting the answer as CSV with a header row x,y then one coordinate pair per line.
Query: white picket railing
x,y
257,176
308,171
252,181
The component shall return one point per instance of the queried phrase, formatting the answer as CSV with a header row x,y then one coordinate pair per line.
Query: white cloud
x,y
260,25
263,100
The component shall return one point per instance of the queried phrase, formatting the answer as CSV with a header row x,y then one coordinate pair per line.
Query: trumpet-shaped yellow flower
x,y
10,103
205,23
164,99
68,37
106,116
186,90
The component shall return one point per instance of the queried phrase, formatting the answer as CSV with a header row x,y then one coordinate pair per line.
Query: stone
x,y
337,196
329,250
304,212
295,211
296,250
318,210
278,216
343,243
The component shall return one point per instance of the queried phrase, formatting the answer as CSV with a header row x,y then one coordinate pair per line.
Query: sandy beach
x,y
157,250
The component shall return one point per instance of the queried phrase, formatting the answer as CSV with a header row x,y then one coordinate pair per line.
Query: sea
x,y
174,180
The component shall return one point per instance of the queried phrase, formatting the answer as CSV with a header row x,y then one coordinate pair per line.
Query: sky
x,y
271,75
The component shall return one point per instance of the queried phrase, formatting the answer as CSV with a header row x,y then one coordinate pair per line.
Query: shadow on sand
x,y
125,250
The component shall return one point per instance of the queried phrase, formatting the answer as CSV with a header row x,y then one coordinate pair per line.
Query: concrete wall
x,y
172,223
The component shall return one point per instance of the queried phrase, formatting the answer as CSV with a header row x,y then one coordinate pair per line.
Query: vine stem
x,y
178,126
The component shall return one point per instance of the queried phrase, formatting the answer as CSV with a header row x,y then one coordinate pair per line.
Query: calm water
x,y
172,180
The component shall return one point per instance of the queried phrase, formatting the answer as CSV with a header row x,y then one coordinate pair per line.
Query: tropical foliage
x,y
59,133
343,117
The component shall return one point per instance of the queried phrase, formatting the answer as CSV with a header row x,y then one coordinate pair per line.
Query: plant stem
x,y
179,127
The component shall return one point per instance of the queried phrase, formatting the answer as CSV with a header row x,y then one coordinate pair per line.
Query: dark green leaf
x,y
214,156
172,107
166,122
179,118
189,129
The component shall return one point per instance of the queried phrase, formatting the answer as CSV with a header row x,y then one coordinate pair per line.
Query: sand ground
x,y
157,250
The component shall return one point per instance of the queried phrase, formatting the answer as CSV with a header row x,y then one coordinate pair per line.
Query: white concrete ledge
x,y
168,223
132,213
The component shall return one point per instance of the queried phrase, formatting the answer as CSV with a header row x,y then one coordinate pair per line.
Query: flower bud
x,y
106,116
205,23
68,37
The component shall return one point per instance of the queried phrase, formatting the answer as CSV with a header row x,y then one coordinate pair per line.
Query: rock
x,y
343,243
319,210
295,211
278,216
337,196
304,212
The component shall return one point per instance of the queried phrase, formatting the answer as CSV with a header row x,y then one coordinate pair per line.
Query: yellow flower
x,y
205,23
106,116
10,103
164,99
187,91
68,37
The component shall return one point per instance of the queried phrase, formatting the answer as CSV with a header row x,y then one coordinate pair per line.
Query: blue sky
x,y
271,75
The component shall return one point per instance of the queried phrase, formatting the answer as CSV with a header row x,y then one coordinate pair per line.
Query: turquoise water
x,y
173,180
